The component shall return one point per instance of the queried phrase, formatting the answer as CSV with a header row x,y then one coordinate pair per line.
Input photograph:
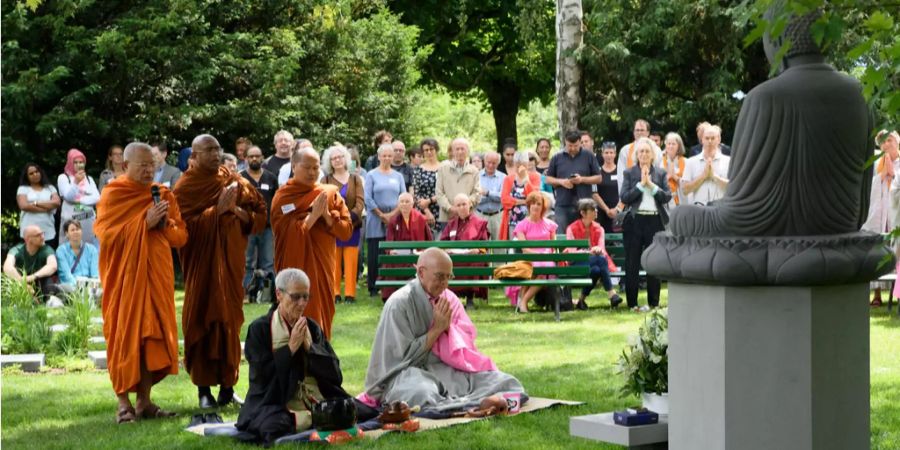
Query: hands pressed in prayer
x,y
318,210
227,200
645,177
442,314
300,336
157,214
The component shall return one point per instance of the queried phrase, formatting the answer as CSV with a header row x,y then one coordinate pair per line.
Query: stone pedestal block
x,y
768,367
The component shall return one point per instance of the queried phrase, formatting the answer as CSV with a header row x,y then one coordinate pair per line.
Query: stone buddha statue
x,y
798,191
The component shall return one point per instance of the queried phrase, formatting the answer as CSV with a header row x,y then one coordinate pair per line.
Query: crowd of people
x,y
497,186
306,220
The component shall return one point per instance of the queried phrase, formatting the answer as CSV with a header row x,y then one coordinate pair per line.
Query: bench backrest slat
x,y
408,272
562,243
491,258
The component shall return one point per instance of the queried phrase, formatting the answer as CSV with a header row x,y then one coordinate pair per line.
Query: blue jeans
x,y
260,254
599,271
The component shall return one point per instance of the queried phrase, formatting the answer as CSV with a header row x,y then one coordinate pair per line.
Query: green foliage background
x,y
90,74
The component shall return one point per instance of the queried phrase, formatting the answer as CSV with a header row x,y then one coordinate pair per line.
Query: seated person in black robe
x,y
292,366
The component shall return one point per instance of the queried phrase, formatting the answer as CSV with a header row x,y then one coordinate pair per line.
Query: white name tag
x,y
393,181
453,233
264,187
614,177
166,184
287,208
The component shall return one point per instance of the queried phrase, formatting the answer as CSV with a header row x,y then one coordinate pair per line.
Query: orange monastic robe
x,y
312,250
138,283
213,265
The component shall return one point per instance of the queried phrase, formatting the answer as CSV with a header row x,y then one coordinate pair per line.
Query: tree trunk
x,y
504,99
569,38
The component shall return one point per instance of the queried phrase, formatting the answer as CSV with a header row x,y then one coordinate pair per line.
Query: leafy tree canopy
x,y
673,63
91,74
501,51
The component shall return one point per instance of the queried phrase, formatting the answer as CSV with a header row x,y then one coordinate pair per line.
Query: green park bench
x,y
568,275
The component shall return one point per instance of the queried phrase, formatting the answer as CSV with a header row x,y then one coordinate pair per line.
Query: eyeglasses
x,y
608,144
443,276
296,296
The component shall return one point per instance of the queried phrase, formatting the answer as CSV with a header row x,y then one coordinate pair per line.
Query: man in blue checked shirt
x,y
489,207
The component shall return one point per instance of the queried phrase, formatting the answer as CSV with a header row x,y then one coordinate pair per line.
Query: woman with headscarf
x,y
115,165
79,194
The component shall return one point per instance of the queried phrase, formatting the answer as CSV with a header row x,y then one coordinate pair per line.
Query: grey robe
x,y
401,368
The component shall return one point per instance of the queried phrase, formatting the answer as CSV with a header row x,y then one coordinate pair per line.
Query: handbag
x,y
334,414
619,221
516,270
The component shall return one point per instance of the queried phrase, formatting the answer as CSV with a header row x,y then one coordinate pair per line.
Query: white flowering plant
x,y
644,363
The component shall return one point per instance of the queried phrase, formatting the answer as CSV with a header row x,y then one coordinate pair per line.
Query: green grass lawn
x,y
572,360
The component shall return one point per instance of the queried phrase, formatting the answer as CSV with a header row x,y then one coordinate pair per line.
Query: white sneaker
x,y
55,302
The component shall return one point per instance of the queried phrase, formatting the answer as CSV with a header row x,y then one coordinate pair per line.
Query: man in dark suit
x,y
164,173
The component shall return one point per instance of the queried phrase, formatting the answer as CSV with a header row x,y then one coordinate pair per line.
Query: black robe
x,y
274,375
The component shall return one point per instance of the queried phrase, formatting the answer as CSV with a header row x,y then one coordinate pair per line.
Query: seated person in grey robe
x,y
292,366
424,350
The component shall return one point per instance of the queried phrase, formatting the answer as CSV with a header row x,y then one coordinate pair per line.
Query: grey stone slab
x,y
600,427
59,328
29,362
97,340
768,367
98,358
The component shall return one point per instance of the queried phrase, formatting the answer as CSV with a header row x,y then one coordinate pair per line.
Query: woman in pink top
x,y
534,227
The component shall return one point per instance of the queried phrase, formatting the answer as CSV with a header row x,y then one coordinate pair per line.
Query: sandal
x,y
125,415
155,412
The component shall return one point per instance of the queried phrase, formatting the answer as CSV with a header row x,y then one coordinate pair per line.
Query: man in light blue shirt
x,y
76,258
489,207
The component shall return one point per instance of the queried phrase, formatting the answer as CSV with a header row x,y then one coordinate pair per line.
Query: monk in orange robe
x,y
136,237
220,209
307,217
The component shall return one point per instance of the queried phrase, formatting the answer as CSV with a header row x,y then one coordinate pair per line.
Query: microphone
x,y
154,192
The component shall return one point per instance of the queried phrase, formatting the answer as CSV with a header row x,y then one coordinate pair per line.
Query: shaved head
x,y
206,152
298,155
433,257
133,148
32,230
139,163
